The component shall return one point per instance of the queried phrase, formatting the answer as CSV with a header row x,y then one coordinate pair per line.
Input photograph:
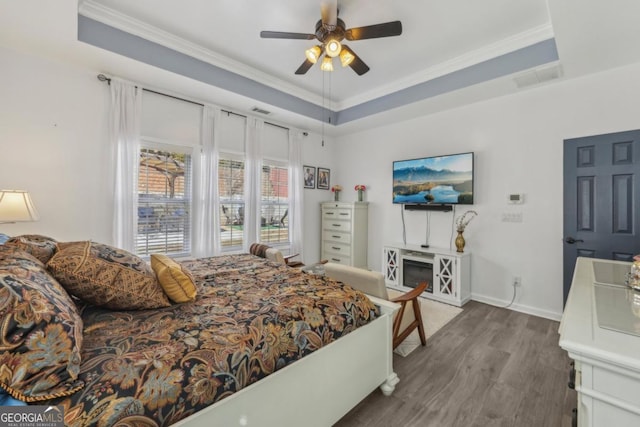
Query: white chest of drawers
x,y
344,233
607,361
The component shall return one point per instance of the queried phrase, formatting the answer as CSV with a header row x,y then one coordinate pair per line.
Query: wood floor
x,y
487,367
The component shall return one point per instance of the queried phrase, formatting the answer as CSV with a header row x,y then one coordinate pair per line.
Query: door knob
x,y
570,240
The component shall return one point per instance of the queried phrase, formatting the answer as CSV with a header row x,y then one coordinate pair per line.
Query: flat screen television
x,y
439,180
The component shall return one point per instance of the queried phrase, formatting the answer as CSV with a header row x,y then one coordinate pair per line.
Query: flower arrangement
x,y
360,187
336,189
464,220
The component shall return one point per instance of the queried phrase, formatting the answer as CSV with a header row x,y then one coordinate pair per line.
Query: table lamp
x,y
16,206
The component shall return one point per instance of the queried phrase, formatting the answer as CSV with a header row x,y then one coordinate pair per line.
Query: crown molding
x,y
108,16
502,47
93,10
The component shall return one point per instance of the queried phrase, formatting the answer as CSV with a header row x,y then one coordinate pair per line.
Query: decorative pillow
x,y
4,238
176,281
41,247
14,256
41,332
106,276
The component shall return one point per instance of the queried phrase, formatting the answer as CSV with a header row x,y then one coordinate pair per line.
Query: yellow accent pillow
x,y
177,283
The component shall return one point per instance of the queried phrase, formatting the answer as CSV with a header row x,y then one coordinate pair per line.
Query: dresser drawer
x,y
618,387
337,248
336,225
344,260
335,213
336,236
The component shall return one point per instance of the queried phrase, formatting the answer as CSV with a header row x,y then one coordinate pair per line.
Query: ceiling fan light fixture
x,y
313,54
327,64
332,48
346,57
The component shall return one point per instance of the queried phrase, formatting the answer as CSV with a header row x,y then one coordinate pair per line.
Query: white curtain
x,y
252,180
124,127
206,204
296,185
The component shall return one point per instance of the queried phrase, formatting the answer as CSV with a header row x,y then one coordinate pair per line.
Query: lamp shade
x,y
313,54
346,56
17,206
327,64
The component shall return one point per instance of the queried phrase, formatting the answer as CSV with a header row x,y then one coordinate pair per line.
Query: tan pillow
x,y
41,247
106,276
176,281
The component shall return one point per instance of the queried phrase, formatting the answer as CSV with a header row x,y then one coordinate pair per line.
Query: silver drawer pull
x,y
337,225
330,213
344,213
336,237
335,259
335,247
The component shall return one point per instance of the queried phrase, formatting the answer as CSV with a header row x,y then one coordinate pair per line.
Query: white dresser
x,y
599,330
345,233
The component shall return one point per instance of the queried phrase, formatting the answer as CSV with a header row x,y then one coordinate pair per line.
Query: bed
x,y
262,344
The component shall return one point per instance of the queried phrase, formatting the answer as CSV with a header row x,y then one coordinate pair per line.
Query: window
x,y
231,190
274,206
164,202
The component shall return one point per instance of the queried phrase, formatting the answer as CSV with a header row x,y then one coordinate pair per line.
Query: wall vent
x,y
537,76
260,111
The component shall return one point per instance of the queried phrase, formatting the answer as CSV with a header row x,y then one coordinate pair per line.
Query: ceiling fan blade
x,y
357,64
306,65
386,29
285,35
329,12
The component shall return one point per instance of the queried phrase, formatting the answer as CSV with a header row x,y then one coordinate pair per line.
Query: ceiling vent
x,y
260,111
537,76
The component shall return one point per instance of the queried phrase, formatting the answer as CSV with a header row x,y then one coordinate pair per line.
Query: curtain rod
x,y
104,78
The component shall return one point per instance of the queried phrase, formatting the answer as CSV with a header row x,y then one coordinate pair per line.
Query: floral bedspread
x,y
251,318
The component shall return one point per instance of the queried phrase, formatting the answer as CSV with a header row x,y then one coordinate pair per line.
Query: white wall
x,y
317,155
53,144
518,141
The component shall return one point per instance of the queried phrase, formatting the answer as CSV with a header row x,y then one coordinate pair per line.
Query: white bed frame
x,y
318,389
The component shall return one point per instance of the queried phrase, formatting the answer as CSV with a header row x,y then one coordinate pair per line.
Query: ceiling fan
x,y
330,32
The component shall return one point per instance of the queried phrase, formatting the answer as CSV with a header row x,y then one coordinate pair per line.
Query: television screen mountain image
x,y
434,180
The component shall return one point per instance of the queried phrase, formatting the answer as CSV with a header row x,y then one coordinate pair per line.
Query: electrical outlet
x,y
517,281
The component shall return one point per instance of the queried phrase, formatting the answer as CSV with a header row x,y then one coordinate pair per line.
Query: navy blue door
x,y
601,200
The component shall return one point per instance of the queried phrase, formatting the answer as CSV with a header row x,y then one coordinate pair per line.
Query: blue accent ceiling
x,y
134,47
513,62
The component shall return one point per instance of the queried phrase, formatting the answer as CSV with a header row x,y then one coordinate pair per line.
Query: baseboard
x,y
517,307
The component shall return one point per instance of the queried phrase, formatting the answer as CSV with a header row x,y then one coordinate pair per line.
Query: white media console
x,y
447,272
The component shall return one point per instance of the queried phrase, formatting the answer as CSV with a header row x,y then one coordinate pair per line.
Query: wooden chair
x,y
406,320
273,254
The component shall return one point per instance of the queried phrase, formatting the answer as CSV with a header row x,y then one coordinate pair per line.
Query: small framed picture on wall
x,y
309,176
322,181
